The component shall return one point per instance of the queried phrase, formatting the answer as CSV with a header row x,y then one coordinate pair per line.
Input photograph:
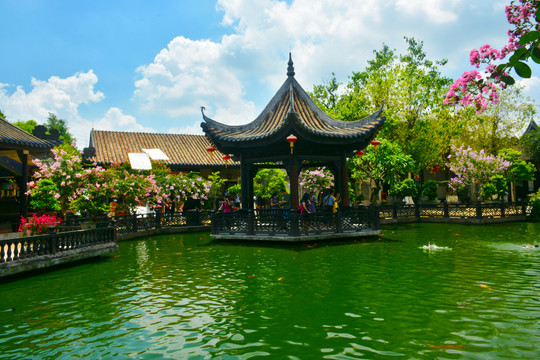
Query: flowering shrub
x,y
181,187
92,196
65,171
37,225
315,180
473,167
471,88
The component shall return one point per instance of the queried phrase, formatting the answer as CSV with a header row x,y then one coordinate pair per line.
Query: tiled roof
x,y
291,98
188,151
13,137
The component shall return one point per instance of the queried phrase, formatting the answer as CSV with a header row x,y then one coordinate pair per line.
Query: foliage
x,y
38,225
2,114
93,196
430,189
534,202
411,89
384,164
44,196
497,186
268,182
216,187
496,127
65,170
234,190
316,180
27,126
531,144
523,44
520,170
53,122
404,188
182,187
472,167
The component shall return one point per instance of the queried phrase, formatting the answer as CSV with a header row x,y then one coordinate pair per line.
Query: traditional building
x,y
17,147
292,133
184,152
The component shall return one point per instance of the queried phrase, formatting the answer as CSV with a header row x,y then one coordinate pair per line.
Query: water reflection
x,y
185,296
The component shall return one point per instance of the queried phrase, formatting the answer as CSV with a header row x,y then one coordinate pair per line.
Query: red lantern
x,y
359,153
211,150
435,169
292,139
375,143
226,158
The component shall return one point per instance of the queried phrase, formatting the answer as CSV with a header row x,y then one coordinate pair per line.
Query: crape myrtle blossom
x,y
481,90
315,180
473,167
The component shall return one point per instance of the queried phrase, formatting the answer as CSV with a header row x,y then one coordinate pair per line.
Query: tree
x,y
523,44
27,126
531,145
268,182
384,164
2,114
411,89
496,127
473,168
53,122
519,171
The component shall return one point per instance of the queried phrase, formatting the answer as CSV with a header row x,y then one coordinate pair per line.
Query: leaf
x,y
517,55
537,15
508,80
528,37
536,55
523,69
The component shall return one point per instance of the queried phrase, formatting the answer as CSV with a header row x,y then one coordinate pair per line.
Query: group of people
x,y
330,203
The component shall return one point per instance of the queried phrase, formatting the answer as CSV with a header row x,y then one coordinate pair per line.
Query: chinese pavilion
x,y
293,133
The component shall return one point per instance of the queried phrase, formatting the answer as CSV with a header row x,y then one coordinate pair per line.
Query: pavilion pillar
x,y
293,171
246,183
344,182
23,185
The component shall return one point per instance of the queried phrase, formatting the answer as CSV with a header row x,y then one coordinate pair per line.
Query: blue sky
x,y
149,65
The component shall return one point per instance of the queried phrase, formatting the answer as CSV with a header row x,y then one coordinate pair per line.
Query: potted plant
x,y
402,189
430,190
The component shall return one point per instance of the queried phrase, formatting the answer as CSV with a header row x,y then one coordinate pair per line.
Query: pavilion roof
x,y
291,98
13,137
183,151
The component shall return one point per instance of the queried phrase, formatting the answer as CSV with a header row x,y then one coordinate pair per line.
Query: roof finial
x,y
290,69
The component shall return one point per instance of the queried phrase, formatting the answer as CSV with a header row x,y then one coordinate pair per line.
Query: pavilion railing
x,y
290,223
53,244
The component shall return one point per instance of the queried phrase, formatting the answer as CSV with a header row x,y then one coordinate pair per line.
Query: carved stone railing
x,y
474,213
52,244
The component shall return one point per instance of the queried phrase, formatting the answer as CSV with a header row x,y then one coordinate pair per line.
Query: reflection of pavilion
x,y
320,140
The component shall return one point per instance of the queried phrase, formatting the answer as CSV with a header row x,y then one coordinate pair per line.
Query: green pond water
x,y
187,297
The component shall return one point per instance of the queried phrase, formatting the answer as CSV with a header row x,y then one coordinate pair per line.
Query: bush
x,y
430,189
497,186
404,188
234,190
534,202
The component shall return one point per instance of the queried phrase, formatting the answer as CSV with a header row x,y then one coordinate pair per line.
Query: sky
x,y
148,66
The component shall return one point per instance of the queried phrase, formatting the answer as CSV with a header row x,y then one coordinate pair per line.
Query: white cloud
x,y
60,96
436,11
194,129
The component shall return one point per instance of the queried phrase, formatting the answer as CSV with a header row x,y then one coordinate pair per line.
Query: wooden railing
x,y
52,244
291,223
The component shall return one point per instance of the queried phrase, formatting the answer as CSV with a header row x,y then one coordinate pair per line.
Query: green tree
x,y
519,171
27,126
216,187
384,164
411,88
496,128
2,114
53,122
531,145
268,182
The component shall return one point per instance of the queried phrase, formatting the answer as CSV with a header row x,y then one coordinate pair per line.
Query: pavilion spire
x,y
290,68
